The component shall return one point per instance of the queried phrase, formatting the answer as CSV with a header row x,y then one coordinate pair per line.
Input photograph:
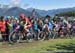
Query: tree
x,y
69,13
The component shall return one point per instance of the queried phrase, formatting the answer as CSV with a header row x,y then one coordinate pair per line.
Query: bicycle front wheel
x,y
14,37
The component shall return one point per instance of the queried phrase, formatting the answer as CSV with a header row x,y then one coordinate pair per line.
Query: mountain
x,y
52,12
61,10
15,11
1,11
35,12
40,12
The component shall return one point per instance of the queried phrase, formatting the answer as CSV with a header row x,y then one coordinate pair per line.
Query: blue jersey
x,y
35,27
50,25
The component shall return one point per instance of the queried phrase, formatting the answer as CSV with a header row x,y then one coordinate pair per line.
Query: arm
x,y
29,23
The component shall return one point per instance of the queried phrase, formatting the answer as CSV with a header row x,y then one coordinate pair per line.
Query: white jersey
x,y
69,25
56,27
45,26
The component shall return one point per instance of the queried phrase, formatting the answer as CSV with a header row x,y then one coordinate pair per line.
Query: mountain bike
x,y
17,35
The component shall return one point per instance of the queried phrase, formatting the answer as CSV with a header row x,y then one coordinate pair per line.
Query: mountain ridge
x,y
15,11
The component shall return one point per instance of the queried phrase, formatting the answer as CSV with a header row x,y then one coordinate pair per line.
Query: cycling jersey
x,y
14,26
73,26
2,26
10,27
29,24
46,27
57,27
35,27
50,26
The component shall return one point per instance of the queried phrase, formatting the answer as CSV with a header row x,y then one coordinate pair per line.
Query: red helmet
x,y
22,15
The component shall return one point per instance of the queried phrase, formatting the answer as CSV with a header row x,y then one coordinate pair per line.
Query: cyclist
x,y
24,19
3,27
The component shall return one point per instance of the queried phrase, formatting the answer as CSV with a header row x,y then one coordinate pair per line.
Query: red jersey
x,y
26,20
2,26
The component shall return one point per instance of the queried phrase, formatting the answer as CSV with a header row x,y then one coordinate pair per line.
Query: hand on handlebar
x,y
25,27
17,27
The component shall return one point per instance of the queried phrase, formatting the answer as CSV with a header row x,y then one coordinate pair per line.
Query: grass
x,y
38,46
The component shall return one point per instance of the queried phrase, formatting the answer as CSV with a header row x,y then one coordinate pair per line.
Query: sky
x,y
40,4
